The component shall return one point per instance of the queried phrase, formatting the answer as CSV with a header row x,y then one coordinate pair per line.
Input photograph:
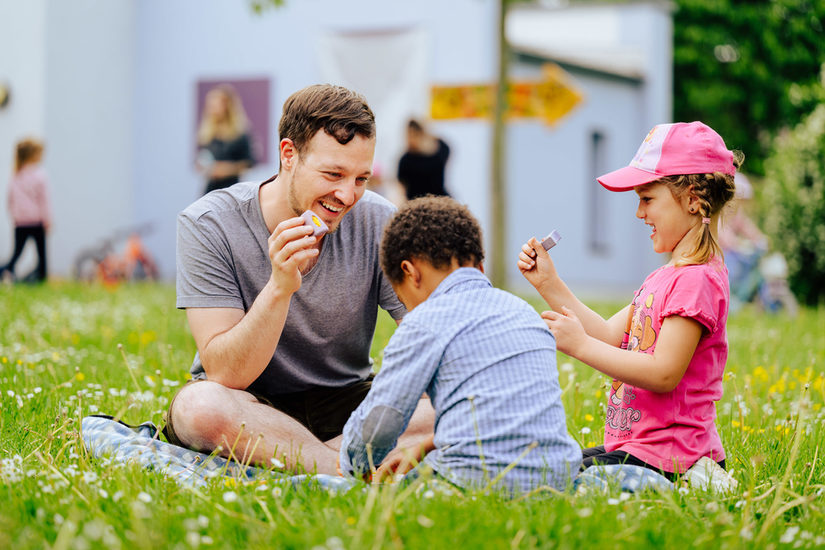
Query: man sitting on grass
x,y
485,358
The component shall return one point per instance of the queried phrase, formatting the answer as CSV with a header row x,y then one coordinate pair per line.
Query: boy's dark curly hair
x,y
434,229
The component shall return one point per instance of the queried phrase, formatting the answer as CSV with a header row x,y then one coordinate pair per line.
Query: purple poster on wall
x,y
254,96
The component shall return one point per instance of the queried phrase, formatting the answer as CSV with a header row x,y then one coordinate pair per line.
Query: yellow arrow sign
x,y
549,99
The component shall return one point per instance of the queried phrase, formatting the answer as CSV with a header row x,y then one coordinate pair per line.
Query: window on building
x,y
597,214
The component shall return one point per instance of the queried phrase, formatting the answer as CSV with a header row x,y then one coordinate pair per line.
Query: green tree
x,y
735,62
794,196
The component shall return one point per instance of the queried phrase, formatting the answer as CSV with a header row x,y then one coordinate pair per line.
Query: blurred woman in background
x,y
224,142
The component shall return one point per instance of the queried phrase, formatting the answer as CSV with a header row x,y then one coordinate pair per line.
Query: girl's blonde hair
x,y
29,150
713,192
235,123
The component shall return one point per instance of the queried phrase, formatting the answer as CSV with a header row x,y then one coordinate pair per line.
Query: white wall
x,y
550,168
111,87
89,122
551,185
179,43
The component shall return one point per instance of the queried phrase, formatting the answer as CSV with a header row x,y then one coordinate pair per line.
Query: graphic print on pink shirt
x,y
639,336
671,430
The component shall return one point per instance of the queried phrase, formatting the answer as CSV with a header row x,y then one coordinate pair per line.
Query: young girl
x,y
666,351
28,201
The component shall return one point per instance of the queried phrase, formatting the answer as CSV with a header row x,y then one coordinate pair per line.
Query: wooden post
x,y
498,191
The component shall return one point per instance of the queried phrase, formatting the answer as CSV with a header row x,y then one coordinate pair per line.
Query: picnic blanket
x,y
105,437
627,477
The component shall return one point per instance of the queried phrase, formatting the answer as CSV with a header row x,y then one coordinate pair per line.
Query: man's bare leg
x,y
208,415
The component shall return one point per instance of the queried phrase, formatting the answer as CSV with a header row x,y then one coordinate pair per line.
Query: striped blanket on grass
x,y
105,437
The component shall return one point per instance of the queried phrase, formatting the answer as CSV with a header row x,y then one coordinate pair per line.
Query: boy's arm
x,y
410,361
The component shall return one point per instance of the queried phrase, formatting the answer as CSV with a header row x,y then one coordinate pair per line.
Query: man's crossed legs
x,y
302,430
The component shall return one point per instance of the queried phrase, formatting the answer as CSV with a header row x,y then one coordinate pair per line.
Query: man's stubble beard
x,y
292,198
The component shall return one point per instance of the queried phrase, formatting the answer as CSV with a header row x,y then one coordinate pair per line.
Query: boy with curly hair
x,y
483,356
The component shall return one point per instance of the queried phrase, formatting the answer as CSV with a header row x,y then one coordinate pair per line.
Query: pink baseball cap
x,y
673,149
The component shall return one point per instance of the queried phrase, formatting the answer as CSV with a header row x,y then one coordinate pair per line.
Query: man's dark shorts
x,y
323,411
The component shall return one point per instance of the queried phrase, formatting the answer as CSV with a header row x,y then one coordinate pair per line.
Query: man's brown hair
x,y
434,229
338,111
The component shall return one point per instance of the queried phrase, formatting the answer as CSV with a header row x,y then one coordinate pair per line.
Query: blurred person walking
x,y
744,245
421,168
29,206
224,142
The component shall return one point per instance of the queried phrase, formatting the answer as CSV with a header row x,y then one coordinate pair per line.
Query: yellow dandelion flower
x,y
778,387
760,373
4,359
735,423
588,417
80,377
350,520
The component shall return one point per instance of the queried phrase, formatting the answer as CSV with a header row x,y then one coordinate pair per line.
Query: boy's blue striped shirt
x,y
488,363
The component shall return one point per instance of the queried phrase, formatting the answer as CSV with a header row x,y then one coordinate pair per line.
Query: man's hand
x,y
291,247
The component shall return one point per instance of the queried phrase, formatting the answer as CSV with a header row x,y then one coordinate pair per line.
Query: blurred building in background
x,y
114,89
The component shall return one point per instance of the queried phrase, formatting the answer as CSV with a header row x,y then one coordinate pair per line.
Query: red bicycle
x,y
102,263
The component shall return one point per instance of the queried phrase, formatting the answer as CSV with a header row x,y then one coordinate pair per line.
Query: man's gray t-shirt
x,y
223,261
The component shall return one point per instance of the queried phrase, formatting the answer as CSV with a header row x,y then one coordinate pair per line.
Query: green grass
x,y
67,351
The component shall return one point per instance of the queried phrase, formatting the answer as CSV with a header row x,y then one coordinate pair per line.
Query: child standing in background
x,y
29,206
666,351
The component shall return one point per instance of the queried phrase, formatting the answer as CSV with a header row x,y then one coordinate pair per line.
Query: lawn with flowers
x,y
67,351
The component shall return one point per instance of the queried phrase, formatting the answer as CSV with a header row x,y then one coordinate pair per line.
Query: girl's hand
x,y
535,264
567,329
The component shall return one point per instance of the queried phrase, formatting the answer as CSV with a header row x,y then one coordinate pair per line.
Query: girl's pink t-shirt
x,y
675,429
